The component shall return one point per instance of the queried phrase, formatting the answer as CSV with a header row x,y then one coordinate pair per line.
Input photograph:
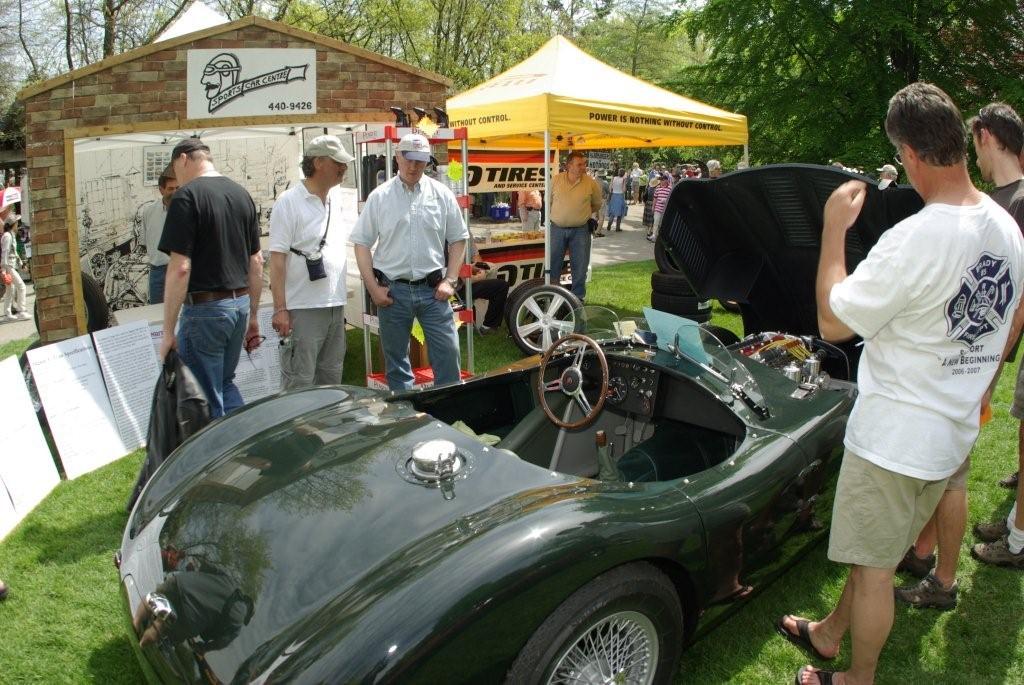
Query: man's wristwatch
x,y
453,282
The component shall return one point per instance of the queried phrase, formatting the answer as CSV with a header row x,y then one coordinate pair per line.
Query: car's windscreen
x,y
681,337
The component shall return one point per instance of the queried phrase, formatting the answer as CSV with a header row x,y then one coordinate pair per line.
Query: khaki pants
x,y
315,351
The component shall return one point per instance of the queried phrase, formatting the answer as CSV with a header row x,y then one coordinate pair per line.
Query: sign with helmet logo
x,y
250,82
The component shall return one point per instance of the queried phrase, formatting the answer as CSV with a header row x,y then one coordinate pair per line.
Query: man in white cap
x,y
887,175
308,257
410,218
14,296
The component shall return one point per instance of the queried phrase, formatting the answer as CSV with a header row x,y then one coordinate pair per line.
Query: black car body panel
x,y
753,237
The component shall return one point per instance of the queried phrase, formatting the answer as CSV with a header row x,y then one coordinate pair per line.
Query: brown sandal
x,y
803,639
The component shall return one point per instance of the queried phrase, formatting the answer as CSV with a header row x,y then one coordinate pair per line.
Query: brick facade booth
x,y
144,91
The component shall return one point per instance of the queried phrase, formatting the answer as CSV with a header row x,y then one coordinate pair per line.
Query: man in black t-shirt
x,y
215,275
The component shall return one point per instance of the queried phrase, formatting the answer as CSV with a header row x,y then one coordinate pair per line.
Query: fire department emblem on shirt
x,y
983,300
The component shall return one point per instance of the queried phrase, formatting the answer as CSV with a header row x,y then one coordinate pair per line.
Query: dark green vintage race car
x,y
575,518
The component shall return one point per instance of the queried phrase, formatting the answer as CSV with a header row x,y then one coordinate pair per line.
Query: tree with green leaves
x,y
814,76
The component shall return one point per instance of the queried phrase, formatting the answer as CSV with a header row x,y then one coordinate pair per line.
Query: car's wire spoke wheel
x,y
620,648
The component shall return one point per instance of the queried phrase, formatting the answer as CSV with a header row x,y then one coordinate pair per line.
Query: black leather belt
x,y
201,296
418,281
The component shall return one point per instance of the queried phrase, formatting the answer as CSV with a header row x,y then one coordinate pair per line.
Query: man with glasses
x,y
933,301
308,260
409,219
215,274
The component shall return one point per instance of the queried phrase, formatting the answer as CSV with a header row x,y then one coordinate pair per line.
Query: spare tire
x,y
97,311
513,299
677,304
555,306
671,284
666,259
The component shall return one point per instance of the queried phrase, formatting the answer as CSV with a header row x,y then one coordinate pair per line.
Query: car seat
x,y
676,450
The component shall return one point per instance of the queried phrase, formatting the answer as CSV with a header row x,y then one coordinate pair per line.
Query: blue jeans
x,y
435,316
210,342
157,276
577,240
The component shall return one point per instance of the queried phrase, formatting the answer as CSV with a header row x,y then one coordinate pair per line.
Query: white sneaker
x,y
22,316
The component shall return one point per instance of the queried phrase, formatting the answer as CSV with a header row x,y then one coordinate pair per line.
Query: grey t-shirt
x,y
1011,198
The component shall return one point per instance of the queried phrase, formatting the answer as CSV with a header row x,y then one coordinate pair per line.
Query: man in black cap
x,y
215,274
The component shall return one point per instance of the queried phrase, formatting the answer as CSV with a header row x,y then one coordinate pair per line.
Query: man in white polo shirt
x,y
933,300
308,257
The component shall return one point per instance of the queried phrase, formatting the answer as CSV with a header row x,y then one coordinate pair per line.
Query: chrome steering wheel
x,y
571,382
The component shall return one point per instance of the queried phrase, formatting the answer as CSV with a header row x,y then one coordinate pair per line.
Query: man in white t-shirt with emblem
x,y
308,257
933,300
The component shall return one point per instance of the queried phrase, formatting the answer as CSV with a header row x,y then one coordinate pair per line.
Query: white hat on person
x,y
415,147
328,146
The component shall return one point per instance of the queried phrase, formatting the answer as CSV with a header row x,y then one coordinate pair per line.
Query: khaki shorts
x,y
878,513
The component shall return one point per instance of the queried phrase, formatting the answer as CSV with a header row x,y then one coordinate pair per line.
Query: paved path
x,y
628,246
615,248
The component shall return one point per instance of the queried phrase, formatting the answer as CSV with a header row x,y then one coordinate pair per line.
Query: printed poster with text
x,y
70,385
27,471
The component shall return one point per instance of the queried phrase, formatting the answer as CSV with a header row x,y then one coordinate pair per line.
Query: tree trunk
x,y
109,27
67,34
24,46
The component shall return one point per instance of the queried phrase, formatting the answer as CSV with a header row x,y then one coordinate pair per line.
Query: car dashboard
x,y
632,382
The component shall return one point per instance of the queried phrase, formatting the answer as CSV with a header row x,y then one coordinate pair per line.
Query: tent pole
x,y
547,206
746,156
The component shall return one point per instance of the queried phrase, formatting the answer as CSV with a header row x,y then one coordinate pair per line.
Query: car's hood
x,y
282,523
754,237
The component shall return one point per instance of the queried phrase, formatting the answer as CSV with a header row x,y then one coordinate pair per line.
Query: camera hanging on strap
x,y
315,259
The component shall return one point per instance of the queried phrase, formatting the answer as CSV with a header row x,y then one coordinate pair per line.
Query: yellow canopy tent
x,y
583,103
563,95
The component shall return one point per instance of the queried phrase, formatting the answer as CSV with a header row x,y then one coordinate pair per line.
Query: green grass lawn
x,y
63,621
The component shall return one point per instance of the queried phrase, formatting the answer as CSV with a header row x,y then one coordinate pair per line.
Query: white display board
x,y
250,82
70,384
130,370
27,471
259,373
